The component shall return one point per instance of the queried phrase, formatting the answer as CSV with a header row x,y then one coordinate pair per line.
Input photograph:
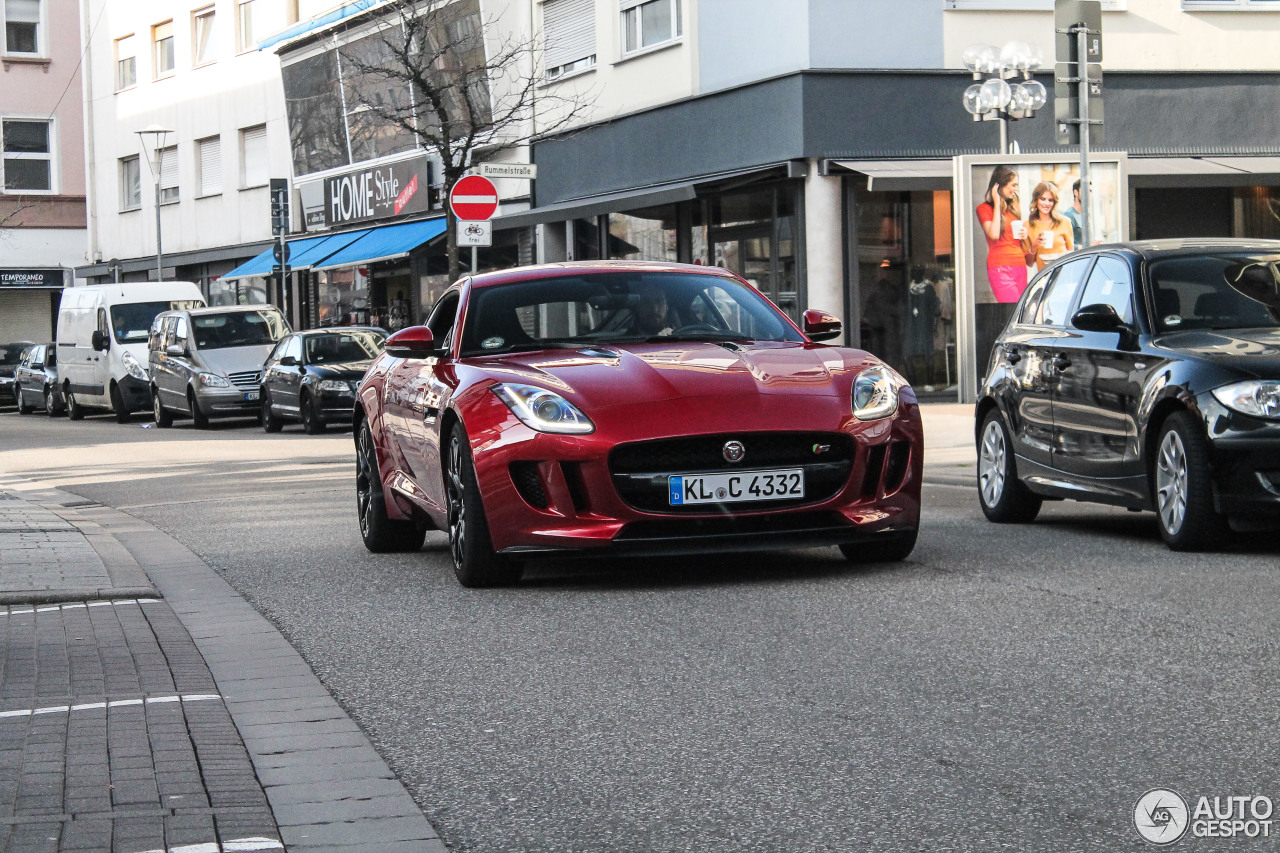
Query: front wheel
x,y
1004,499
161,415
198,418
270,423
75,411
893,549
381,534
50,407
117,405
1184,488
311,423
474,562
23,408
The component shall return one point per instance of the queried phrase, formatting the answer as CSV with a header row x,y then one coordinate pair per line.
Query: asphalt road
x,y
1005,688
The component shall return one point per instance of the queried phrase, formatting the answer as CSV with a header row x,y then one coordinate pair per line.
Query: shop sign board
x,y
379,192
475,233
474,198
48,278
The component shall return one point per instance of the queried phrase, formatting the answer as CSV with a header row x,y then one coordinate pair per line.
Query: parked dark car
x,y
35,382
1143,375
10,355
311,376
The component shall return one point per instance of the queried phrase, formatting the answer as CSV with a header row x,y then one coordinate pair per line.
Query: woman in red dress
x,y
1000,217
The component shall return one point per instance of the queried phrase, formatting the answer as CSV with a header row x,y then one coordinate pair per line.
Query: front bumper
x,y
1246,462
231,402
135,392
335,407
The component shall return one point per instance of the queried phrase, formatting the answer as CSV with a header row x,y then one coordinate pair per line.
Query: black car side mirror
x,y
1101,317
288,361
101,343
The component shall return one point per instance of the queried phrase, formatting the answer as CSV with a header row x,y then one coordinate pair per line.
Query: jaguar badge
x,y
733,451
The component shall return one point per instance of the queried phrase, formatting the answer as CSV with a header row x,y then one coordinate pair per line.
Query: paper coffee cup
x,y
1046,239
1019,230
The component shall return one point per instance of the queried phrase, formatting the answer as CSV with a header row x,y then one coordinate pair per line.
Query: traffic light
x,y
279,206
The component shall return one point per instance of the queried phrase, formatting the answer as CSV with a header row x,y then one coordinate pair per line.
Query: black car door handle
x,y
1061,362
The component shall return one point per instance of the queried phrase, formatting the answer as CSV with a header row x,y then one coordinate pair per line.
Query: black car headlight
x,y
543,410
875,393
1257,397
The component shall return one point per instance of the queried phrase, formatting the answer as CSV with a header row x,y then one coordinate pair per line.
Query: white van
x,y
102,342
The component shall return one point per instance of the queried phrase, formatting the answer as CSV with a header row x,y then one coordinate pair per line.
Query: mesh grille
x,y
245,379
527,482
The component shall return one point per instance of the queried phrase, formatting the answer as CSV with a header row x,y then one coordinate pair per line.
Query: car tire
x,y
117,405
381,534
162,416
311,422
50,407
198,418
1182,487
23,408
270,423
75,411
1004,498
474,561
889,549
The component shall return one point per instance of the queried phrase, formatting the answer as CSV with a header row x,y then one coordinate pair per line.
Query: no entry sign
x,y
473,198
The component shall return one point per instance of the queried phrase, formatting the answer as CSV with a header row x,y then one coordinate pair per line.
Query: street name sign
x,y
473,198
520,171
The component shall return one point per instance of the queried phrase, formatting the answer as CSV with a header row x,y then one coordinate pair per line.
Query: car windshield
x,y
237,329
1221,291
619,307
131,322
11,354
339,347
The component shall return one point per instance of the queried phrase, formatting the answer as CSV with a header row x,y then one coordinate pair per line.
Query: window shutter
x,y
255,156
22,11
210,167
624,5
168,168
569,29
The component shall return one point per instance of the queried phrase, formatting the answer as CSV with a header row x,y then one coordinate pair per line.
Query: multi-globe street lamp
x,y
157,135
994,97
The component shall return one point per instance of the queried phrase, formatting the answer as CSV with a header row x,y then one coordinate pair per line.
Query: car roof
x,y
221,309
568,268
338,330
1174,247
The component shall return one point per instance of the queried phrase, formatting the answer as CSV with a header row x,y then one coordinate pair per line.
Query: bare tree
x,y
459,84
11,210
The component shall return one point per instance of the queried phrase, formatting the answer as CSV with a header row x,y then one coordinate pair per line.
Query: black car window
x,y
50,355
340,347
1110,284
294,349
1061,293
1031,300
278,352
443,317
1219,291
237,329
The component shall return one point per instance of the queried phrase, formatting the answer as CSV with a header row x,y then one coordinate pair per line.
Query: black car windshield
x,y
12,353
131,322
341,347
1219,291
237,329
619,307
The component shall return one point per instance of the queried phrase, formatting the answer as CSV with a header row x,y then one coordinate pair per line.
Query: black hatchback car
x,y
311,376
1143,375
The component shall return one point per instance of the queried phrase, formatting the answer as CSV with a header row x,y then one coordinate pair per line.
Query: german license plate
x,y
251,396
735,487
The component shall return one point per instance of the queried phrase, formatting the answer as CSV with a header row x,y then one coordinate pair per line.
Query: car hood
x,y
340,370
235,359
1252,351
615,375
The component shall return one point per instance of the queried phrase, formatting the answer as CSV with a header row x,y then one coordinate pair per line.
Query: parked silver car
x,y
207,362
35,382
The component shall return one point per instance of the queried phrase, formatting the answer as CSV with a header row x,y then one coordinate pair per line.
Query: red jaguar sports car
x,y
630,408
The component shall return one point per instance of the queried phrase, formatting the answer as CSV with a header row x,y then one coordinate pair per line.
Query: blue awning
x,y
262,264
385,243
309,257
303,27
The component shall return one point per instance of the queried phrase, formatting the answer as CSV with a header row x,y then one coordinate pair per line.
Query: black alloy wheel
x,y
311,422
474,561
380,533
75,411
50,407
23,408
1182,484
889,549
270,423
198,418
162,416
1004,498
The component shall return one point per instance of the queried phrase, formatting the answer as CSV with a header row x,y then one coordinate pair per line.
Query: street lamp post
x,y
994,97
157,134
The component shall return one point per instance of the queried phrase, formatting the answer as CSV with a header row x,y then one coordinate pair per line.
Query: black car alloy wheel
x,y
1183,487
1003,497
380,533
474,561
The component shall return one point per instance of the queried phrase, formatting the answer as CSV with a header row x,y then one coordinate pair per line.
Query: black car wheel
x,y
23,408
1181,480
75,411
50,406
311,422
198,418
1004,499
890,549
270,423
161,415
474,562
117,405
380,533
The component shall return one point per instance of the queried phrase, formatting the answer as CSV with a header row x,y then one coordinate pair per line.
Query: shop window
x,y
162,49
130,183
646,23
203,41
752,232
22,26
28,155
586,239
644,235
569,36
126,62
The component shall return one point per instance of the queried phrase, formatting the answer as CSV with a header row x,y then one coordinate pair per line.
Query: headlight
x,y
543,410
132,365
875,393
1260,398
339,385
213,380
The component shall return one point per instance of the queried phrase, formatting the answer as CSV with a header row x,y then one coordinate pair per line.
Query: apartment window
x,y
203,43
168,168
209,154
28,155
1231,5
162,53
569,34
126,62
130,183
1023,5
645,24
253,156
22,26
244,25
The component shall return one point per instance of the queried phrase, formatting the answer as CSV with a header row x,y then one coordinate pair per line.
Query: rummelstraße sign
x,y
50,278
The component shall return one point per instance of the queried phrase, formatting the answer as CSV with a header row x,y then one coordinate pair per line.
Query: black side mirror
x,y
100,342
288,361
1097,318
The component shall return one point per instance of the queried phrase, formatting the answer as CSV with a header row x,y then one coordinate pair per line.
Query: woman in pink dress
x,y
1000,218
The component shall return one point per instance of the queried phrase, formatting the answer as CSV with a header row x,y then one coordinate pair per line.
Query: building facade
x,y
42,177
